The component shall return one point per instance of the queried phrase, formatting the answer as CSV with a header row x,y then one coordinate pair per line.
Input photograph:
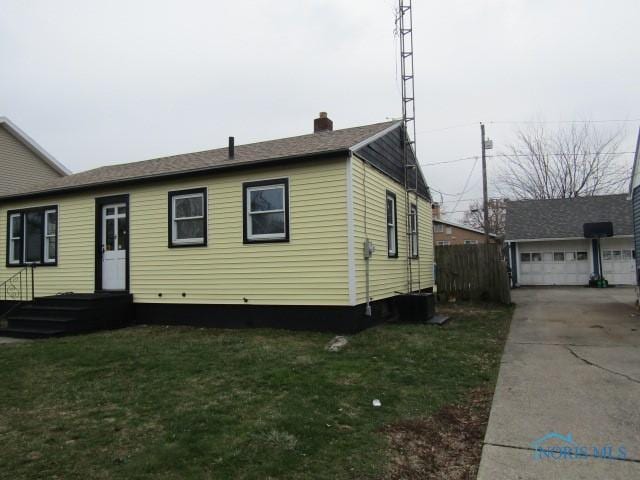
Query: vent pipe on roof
x,y
232,148
322,123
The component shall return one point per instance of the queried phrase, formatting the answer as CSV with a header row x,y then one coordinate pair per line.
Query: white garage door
x,y
555,263
618,261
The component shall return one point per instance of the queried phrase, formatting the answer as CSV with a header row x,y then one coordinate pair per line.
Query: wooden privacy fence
x,y
472,272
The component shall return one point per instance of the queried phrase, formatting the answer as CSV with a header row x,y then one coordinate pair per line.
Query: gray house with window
x,y
547,244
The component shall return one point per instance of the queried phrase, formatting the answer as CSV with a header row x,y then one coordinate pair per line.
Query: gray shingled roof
x,y
565,217
253,153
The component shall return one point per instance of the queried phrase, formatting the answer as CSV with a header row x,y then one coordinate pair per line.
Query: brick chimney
x,y
322,123
435,210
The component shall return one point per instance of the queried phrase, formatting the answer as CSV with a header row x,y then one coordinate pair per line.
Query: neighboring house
x,y
548,247
451,233
23,162
634,193
269,233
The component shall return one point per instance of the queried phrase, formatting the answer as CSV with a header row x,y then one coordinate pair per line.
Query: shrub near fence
x,y
472,272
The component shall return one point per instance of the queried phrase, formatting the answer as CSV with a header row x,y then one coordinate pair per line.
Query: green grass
x,y
176,403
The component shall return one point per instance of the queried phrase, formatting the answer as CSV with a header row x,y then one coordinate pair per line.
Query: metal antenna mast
x,y
405,31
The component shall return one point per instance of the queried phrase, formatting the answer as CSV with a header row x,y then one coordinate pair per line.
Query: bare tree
x,y
474,217
577,160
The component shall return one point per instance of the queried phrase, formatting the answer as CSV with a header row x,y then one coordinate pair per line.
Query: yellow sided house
x,y
317,231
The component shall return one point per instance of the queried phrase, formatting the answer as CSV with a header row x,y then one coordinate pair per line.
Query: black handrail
x,y
20,286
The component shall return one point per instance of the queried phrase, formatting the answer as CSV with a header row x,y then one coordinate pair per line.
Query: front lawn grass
x,y
177,403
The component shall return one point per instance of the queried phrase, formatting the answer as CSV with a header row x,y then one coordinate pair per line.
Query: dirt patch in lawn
x,y
445,446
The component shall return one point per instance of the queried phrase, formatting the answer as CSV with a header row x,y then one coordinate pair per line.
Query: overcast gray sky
x,y
98,82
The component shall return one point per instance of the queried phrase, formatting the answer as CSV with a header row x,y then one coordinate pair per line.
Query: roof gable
x,y
565,217
31,144
385,152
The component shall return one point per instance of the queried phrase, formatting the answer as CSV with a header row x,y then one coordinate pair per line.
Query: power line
x,y
462,159
560,154
466,184
565,121
449,128
449,161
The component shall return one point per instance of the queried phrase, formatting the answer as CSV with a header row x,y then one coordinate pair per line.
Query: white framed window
x,y
413,230
471,242
32,236
266,211
50,235
188,218
438,227
448,230
392,225
15,239
570,256
443,243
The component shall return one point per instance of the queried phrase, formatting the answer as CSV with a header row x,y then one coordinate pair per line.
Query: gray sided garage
x,y
547,246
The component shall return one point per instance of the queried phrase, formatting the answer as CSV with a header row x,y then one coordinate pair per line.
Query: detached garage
x,y
547,244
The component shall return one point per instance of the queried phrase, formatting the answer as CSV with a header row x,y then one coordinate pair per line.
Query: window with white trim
x,y
392,230
50,235
438,228
15,239
413,230
188,218
266,216
471,242
443,243
32,236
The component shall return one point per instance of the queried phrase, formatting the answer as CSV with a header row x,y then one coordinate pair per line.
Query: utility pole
x,y
486,144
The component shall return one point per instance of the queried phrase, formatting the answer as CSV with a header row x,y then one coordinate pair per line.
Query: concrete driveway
x,y
571,367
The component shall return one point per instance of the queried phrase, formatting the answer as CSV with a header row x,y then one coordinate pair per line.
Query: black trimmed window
x,y
266,211
392,225
413,230
32,236
188,218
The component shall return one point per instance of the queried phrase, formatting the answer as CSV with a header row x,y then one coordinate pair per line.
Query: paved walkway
x,y
571,366
10,341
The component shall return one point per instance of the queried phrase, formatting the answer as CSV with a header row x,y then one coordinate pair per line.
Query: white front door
x,y
114,246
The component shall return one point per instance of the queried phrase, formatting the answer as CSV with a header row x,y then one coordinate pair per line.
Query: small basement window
x,y
443,243
471,242
188,218
266,211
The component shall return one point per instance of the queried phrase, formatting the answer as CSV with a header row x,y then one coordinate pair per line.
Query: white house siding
x,y
547,269
618,264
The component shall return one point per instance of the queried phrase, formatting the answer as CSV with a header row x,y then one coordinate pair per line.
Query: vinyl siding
x,y
20,166
311,269
636,225
387,275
